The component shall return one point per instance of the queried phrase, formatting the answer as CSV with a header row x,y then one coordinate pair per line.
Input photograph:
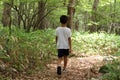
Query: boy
x,y
63,41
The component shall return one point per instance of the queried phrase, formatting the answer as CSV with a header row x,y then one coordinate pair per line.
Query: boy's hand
x,y
71,53
70,50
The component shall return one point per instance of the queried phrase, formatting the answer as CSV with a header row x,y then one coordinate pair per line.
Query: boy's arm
x,y
69,41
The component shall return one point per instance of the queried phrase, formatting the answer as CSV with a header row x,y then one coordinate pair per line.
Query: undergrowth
x,y
24,53
95,43
113,70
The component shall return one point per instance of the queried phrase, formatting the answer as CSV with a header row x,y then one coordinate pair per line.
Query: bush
x,y
113,70
27,51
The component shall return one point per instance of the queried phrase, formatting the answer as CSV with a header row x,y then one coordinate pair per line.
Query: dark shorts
x,y
63,52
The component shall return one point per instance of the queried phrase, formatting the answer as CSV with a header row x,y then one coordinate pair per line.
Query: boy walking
x,y
63,41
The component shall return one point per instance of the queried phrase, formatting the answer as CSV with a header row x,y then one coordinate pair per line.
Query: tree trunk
x,y
86,18
41,13
77,25
71,11
19,19
6,21
93,28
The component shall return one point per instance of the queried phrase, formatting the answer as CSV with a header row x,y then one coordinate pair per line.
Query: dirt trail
x,y
78,69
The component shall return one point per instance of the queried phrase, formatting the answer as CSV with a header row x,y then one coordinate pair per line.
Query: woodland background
x,y
27,34
84,15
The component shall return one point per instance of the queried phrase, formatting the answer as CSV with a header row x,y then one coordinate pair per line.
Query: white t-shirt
x,y
63,33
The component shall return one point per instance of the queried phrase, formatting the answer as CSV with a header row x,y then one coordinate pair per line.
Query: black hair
x,y
63,19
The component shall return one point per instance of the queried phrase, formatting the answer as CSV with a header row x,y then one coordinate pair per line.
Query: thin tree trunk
x,y
6,14
85,21
93,28
41,12
77,25
71,11
19,17
6,20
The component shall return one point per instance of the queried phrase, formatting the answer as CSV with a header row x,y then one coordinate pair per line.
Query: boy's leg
x,y
59,65
60,54
59,61
65,62
66,58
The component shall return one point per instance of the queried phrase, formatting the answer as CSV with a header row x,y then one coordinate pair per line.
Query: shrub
x,y
113,70
27,51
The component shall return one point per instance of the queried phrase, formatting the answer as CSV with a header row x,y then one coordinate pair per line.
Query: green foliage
x,y
17,1
117,54
113,70
98,43
108,13
28,51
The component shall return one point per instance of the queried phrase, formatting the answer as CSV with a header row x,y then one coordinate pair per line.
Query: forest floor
x,y
79,68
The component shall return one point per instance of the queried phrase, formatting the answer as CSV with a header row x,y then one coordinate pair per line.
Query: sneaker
x,y
59,70
64,70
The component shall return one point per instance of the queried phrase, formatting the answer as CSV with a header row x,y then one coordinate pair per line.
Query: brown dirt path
x,y
78,69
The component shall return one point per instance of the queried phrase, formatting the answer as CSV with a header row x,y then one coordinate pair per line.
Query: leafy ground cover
x,y
96,43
